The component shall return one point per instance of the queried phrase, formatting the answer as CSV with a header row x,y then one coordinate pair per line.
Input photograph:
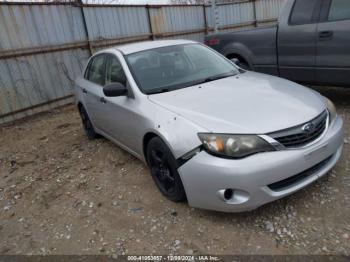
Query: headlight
x,y
331,109
234,146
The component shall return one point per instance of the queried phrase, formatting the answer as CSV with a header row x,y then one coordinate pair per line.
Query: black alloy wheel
x,y
163,169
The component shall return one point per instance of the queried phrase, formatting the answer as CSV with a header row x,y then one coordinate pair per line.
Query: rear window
x,y
302,12
339,10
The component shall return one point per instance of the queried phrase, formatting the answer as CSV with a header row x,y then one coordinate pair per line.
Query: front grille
x,y
303,134
291,181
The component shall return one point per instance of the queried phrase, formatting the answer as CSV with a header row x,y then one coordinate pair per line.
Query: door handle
x,y
325,35
84,91
103,100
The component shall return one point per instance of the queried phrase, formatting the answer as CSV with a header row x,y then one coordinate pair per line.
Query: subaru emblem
x,y
308,128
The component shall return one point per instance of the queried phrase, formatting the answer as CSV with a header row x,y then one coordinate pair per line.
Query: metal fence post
x,y
215,16
150,22
255,15
205,20
80,4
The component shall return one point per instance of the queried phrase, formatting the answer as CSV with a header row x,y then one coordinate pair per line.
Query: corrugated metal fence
x,y
44,46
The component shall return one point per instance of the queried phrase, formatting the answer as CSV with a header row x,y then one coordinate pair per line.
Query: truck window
x,y
303,12
339,10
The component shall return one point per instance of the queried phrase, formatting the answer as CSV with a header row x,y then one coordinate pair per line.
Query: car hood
x,y
249,103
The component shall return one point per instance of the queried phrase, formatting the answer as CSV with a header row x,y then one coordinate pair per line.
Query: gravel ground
x,y
63,194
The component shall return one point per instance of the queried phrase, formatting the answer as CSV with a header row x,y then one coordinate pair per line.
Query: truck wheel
x,y
241,63
163,169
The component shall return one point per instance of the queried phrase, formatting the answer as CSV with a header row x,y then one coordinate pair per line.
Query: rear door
x,y
297,41
333,45
93,90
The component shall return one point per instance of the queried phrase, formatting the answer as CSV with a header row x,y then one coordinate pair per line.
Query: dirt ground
x,y
63,194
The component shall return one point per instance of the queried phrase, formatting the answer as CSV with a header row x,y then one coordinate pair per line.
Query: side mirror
x,y
115,89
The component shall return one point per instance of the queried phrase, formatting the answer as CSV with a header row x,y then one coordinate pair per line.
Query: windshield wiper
x,y
158,91
192,83
214,78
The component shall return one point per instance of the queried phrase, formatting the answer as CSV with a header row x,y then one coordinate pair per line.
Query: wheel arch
x,y
146,138
240,51
151,134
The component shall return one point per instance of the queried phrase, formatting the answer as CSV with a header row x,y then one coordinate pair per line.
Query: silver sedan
x,y
211,133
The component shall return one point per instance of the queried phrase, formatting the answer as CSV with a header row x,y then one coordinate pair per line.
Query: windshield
x,y
173,67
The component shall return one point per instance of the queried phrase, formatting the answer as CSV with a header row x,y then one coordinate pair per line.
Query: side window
x,y
339,10
96,70
114,71
303,12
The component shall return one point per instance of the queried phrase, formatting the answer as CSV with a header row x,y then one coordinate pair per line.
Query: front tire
x,y
163,169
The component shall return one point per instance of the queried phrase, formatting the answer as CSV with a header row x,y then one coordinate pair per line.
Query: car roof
x,y
141,46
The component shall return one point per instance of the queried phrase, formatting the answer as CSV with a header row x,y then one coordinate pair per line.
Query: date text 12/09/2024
x,y
174,258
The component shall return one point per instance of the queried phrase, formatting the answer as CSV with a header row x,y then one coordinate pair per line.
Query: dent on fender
x,y
172,132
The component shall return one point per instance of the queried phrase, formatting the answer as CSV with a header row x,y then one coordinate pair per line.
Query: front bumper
x,y
205,177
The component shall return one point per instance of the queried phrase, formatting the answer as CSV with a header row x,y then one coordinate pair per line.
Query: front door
x,y
122,111
297,42
333,45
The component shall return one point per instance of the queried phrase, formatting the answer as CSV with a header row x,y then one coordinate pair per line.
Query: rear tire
x,y
162,165
88,127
